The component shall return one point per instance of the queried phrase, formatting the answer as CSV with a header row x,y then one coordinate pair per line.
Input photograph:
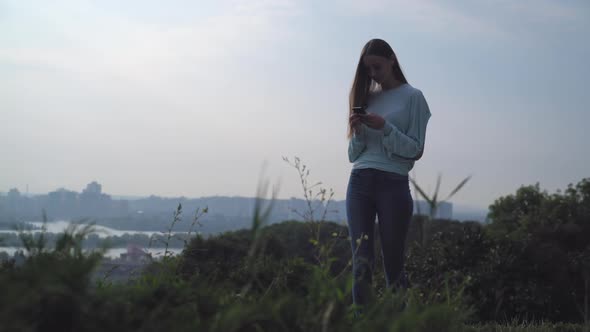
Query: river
x,y
101,231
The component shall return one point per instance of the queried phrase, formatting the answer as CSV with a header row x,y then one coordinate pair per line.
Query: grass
x,y
530,327
236,286
52,291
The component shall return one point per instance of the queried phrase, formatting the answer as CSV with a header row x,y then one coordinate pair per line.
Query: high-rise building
x,y
93,188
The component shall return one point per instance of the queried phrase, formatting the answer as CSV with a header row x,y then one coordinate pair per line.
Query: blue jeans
x,y
371,193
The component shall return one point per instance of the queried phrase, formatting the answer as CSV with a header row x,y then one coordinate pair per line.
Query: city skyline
x,y
93,202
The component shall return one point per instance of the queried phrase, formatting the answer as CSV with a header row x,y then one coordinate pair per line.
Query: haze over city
x,y
198,98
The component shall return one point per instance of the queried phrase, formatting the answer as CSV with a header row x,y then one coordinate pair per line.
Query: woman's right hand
x,y
355,123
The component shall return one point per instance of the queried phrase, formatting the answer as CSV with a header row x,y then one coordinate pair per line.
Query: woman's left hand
x,y
373,120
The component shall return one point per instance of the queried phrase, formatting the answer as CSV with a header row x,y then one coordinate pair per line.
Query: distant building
x,y
13,201
135,254
443,211
62,202
93,203
93,188
13,194
62,195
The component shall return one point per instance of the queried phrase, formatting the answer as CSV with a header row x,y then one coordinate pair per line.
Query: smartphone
x,y
359,110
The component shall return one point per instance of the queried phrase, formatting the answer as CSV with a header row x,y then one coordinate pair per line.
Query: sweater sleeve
x,y
356,145
408,144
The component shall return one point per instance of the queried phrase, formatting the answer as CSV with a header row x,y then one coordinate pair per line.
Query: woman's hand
x,y
355,121
373,120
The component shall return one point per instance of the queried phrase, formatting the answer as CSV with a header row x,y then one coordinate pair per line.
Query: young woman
x,y
387,129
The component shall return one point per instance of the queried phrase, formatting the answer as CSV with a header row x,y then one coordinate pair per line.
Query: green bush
x,y
531,261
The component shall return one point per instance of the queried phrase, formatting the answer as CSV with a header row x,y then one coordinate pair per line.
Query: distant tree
x,y
554,230
531,210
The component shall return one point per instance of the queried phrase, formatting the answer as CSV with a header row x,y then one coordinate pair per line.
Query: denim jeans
x,y
371,193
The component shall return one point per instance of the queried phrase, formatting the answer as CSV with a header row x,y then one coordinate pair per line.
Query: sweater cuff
x,y
387,129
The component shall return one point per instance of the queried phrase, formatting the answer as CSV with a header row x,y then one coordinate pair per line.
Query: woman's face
x,y
380,69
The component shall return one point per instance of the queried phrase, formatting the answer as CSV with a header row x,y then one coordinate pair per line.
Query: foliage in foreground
x,y
52,291
531,260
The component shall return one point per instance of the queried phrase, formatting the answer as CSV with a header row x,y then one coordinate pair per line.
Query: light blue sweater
x,y
406,115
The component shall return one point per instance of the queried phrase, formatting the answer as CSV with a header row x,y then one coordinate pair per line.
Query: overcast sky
x,y
193,98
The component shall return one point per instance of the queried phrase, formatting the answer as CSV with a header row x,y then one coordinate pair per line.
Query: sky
x,y
202,98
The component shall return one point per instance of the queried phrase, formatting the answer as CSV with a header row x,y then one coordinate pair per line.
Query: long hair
x,y
362,84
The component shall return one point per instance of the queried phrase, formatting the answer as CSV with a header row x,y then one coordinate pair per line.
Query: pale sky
x,y
193,98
